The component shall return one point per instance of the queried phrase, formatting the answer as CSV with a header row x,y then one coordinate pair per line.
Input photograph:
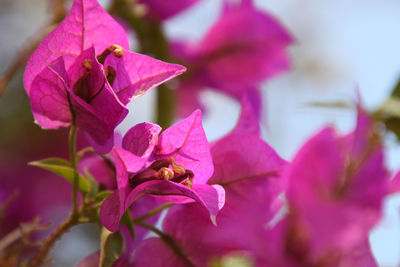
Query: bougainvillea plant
x,y
162,194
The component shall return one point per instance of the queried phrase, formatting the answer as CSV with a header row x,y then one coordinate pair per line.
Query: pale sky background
x,y
340,45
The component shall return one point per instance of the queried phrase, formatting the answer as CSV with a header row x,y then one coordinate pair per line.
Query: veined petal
x,y
49,96
187,144
114,207
137,73
86,25
141,139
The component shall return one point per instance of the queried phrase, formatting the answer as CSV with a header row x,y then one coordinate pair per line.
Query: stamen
x,y
110,74
178,169
165,173
188,183
156,165
117,50
187,175
144,176
87,64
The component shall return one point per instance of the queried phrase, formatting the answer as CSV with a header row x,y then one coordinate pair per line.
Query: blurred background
x,y
340,46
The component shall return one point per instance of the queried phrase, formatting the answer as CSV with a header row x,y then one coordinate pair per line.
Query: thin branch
x,y
169,241
49,242
73,159
152,212
21,232
152,42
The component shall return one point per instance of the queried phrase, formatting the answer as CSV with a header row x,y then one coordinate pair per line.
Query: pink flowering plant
x,y
163,194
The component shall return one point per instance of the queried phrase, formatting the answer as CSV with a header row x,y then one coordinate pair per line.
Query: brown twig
x,y
49,242
21,232
7,203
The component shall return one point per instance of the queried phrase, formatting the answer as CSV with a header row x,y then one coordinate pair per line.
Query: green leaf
x,y
102,195
127,220
93,185
396,90
110,247
232,260
389,114
333,104
62,168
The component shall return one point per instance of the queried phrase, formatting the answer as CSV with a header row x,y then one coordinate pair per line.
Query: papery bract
x,y
83,73
101,169
143,158
395,184
243,48
282,249
336,187
87,25
162,10
83,95
249,170
136,74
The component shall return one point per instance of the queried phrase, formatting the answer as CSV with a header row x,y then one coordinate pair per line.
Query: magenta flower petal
x,y
101,170
166,257
96,107
361,256
193,232
129,161
239,157
336,188
248,122
48,95
175,169
136,74
168,190
187,95
162,10
139,208
254,39
213,196
110,212
198,239
187,144
115,205
86,25
242,36
249,170
141,139
395,184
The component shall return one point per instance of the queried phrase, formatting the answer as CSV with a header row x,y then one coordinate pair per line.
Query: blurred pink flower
x,y
244,47
163,10
335,190
249,170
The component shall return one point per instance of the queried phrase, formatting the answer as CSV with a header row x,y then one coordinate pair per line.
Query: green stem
x,y
166,102
72,155
152,212
169,241
154,43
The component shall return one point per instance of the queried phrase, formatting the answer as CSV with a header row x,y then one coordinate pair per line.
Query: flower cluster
x,y
83,73
231,199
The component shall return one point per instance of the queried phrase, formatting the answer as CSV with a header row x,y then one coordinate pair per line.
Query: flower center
x,y
165,169
81,87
